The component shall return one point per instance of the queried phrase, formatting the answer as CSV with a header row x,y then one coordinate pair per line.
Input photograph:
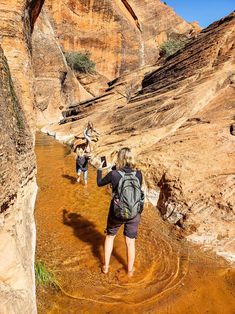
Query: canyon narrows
x,y
177,113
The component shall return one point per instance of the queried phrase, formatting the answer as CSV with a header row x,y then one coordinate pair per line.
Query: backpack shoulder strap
x,y
122,173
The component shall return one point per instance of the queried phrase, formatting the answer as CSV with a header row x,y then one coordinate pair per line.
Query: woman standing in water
x,y
82,160
88,134
125,169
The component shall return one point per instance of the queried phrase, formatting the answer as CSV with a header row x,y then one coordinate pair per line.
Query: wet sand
x,y
171,275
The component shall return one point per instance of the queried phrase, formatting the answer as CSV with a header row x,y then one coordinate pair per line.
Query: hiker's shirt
x,y
88,133
113,178
82,163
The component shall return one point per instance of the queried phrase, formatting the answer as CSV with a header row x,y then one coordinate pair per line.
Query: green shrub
x,y
80,62
44,276
171,46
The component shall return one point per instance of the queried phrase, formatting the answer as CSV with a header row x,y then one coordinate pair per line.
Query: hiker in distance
x,y
82,165
125,207
89,134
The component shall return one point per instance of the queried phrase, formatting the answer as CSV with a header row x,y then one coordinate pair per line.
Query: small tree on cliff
x,y
80,62
171,46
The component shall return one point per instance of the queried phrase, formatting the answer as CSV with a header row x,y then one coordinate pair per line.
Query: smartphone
x,y
103,159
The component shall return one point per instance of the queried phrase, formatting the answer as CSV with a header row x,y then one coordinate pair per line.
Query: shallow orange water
x,y
171,277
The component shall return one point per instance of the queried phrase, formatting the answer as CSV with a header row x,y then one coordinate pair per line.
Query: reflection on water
x,y
171,276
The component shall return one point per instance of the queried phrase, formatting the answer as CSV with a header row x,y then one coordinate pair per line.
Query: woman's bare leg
x,y
90,147
130,249
108,248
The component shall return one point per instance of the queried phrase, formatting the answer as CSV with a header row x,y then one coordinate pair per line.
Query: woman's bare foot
x,y
131,272
105,269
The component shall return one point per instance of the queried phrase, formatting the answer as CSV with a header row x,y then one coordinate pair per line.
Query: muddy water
x,y
171,276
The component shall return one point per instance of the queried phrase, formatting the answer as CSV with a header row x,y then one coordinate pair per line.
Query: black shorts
x,y
130,226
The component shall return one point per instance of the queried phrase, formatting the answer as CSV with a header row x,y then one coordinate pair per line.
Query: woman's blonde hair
x,y
125,158
90,125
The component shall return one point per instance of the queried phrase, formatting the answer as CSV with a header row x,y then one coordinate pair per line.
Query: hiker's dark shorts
x,y
130,226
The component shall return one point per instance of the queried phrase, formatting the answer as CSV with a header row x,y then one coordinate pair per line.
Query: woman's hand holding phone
x,y
103,161
103,164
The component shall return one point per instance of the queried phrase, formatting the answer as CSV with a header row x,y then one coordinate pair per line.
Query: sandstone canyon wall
x,y
55,84
18,185
121,35
181,125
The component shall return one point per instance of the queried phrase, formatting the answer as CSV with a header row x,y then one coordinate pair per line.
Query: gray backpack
x,y
129,199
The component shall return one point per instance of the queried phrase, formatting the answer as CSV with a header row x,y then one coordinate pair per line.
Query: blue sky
x,y
203,11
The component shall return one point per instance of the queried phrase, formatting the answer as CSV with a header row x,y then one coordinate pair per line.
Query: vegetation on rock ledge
x,y
80,62
171,46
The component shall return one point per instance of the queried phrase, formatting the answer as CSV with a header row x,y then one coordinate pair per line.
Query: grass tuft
x,y
44,276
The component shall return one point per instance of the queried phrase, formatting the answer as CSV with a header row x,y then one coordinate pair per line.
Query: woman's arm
x,y
87,137
140,177
105,180
98,133
79,162
85,161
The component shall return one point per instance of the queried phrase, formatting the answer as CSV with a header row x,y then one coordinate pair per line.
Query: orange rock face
x,y
181,125
120,35
55,85
16,42
18,167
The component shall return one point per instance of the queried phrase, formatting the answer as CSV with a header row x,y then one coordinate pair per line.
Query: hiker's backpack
x,y
129,199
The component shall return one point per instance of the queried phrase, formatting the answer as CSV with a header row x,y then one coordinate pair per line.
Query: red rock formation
x,y
15,40
121,35
18,185
18,192
55,86
180,124
51,70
